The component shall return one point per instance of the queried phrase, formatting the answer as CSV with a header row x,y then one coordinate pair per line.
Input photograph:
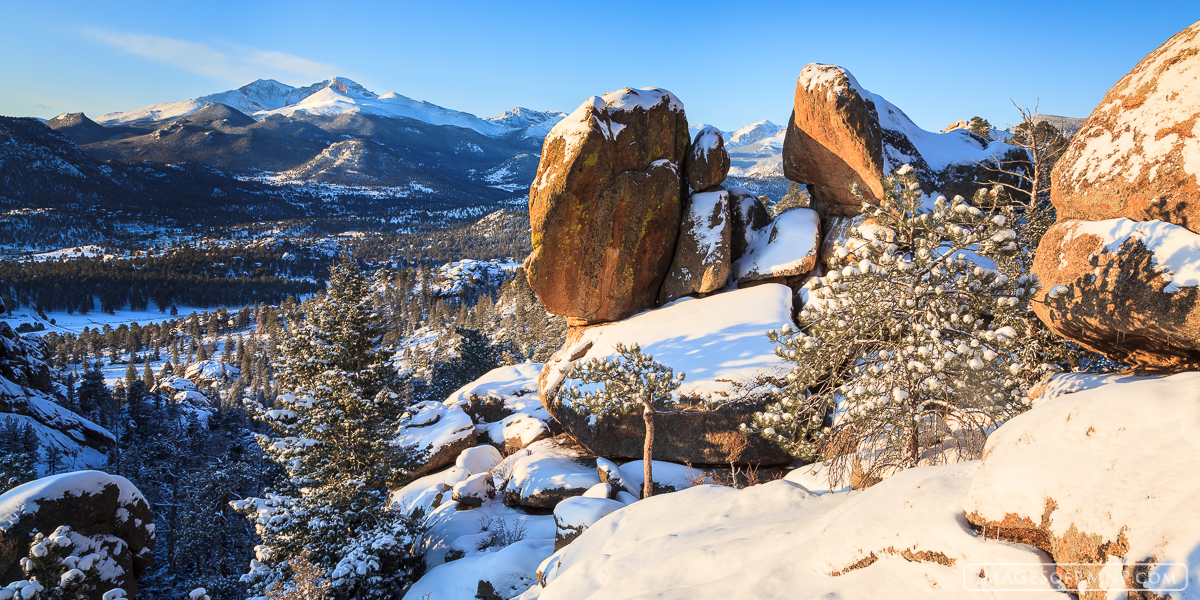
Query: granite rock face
x,y
606,204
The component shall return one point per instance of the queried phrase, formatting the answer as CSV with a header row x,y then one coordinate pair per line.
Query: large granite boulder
x,y
702,256
437,431
833,139
1102,486
841,134
106,515
1138,155
1118,268
605,205
719,342
708,160
1126,288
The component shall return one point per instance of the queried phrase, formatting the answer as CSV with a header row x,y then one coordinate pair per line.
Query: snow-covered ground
x,y
75,323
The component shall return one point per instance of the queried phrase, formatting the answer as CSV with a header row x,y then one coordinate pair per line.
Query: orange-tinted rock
x,y
1115,295
834,140
1138,155
701,263
708,160
605,206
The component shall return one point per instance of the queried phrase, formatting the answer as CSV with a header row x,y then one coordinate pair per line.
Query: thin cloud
x,y
236,64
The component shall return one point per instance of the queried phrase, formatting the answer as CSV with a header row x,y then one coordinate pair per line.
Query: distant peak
x,y
349,87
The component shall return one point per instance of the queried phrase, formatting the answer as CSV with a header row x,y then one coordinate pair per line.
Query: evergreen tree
x,y
331,436
630,382
92,392
907,350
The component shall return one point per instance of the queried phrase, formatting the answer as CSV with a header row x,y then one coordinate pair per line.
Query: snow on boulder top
x,y
834,80
645,98
513,381
1144,109
708,140
1176,250
592,115
24,498
720,341
786,247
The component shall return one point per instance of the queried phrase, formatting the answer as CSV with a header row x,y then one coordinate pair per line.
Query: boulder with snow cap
x,y
106,515
833,139
1138,154
207,373
1096,484
546,473
574,515
1118,268
1126,288
842,135
505,408
474,490
606,203
708,160
702,255
698,337
438,431
783,251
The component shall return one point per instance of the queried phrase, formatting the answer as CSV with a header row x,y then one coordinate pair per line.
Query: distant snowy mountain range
x,y
340,96
336,136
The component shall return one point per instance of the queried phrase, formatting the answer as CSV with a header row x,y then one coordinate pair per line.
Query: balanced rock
x,y
605,205
730,368
708,160
1138,155
833,139
102,514
1126,288
701,263
841,135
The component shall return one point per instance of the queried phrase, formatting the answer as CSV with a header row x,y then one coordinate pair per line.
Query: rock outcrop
x,y
708,160
841,134
702,255
833,139
1126,288
438,431
1138,154
1118,267
696,337
106,515
606,203
747,215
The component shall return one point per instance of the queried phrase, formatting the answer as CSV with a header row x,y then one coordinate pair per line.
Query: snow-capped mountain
x,y
755,151
340,96
753,133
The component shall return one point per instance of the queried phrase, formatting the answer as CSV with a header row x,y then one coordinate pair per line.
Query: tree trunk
x,y
648,451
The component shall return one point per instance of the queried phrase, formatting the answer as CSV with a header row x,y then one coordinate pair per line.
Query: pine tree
x,y
332,436
633,380
907,350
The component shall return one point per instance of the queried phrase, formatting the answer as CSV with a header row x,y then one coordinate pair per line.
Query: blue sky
x,y
730,64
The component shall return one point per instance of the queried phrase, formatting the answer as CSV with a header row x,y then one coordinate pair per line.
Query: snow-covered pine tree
x,y
332,436
631,381
908,351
